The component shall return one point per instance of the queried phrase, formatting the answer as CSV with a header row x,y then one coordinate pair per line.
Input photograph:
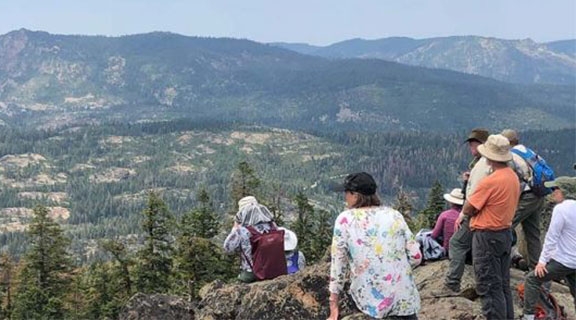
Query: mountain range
x,y
173,114
518,61
48,81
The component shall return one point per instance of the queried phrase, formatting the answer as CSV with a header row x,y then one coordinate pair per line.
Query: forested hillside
x,y
53,80
95,179
122,159
517,61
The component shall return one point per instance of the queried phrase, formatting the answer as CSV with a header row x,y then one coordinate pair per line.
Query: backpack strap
x,y
253,232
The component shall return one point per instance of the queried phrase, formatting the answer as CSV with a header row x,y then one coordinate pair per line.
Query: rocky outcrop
x,y
156,306
305,296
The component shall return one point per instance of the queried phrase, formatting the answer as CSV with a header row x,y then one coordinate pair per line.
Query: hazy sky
x,y
317,22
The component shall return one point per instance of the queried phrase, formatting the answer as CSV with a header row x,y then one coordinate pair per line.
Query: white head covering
x,y
251,212
246,201
290,239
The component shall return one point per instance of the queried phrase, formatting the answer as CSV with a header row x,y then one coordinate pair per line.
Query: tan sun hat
x,y
496,148
511,135
455,196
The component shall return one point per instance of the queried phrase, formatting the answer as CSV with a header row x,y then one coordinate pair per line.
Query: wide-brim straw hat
x,y
455,196
496,148
290,239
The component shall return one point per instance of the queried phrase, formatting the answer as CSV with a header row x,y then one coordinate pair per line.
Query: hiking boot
x,y
445,291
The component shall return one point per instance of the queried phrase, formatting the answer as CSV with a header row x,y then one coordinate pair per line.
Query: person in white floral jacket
x,y
375,244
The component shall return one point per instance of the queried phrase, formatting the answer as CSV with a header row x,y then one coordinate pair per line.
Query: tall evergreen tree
x,y
6,285
154,261
404,205
302,225
321,234
45,276
244,182
434,206
202,221
197,262
276,206
118,251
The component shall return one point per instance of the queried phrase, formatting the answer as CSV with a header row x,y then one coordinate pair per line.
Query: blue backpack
x,y
541,172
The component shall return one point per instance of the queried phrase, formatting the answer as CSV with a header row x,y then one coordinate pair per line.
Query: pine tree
x,y
321,234
435,205
6,284
197,262
404,206
45,276
244,182
275,206
202,221
102,294
302,226
118,251
154,260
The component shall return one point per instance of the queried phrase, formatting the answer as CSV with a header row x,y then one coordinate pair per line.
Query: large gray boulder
x,y
305,296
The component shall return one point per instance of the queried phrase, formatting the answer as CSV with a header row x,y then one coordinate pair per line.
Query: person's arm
x,y
412,246
338,263
232,242
550,242
469,210
439,227
478,199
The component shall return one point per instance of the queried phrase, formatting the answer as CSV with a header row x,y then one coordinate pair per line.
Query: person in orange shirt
x,y
492,207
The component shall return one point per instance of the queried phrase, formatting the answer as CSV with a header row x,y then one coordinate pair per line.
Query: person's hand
x,y
334,311
540,270
466,176
458,222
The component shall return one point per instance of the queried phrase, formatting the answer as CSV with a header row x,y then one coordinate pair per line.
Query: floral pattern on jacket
x,y
378,249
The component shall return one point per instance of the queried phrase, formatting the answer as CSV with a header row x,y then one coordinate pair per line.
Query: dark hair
x,y
366,201
457,206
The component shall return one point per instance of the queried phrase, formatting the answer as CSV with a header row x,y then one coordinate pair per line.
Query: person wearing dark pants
x,y
491,254
461,241
558,258
531,206
528,214
492,207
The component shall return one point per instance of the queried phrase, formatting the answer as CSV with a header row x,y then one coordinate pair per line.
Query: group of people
x,y
374,249
378,249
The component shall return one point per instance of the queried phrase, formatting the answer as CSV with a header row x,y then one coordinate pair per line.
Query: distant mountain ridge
x,y
518,61
54,80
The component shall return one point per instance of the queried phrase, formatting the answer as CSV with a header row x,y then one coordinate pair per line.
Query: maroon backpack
x,y
268,257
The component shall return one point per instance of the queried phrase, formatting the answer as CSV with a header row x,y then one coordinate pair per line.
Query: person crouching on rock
x,y
250,213
295,260
376,245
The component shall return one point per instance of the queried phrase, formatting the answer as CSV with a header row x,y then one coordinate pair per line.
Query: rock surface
x,y
305,296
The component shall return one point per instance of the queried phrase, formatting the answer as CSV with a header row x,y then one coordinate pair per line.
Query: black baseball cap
x,y
360,182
